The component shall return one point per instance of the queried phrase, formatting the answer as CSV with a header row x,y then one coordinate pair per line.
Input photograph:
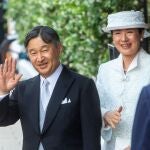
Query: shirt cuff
x,y
106,131
2,96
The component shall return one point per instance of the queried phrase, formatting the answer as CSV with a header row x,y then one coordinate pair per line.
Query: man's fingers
x,y
1,69
13,82
8,68
13,66
5,66
9,64
18,77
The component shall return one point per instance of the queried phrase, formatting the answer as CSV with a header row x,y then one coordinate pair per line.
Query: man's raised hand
x,y
8,76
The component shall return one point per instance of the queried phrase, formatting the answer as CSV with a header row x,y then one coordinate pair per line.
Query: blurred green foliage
x,y
78,22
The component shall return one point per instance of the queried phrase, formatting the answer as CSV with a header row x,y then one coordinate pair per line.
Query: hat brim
x,y
109,29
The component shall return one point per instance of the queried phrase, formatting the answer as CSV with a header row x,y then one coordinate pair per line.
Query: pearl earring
x,y
141,39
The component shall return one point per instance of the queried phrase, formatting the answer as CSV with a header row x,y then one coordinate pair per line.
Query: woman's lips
x,y
125,46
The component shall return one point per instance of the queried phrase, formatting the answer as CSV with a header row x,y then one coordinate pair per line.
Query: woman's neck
x,y
127,61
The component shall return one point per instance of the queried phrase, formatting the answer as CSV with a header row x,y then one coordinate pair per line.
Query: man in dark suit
x,y
141,126
58,109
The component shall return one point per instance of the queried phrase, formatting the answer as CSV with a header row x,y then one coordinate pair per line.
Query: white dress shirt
x,y
52,79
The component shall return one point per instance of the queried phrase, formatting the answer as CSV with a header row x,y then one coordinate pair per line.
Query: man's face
x,y
44,57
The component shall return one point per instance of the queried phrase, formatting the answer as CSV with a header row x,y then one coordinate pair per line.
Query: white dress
x,y
119,89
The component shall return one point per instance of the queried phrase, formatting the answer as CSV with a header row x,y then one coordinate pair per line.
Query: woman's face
x,y
127,41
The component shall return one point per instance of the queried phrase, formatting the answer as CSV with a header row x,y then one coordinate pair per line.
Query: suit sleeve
x,y
9,110
141,125
106,132
90,116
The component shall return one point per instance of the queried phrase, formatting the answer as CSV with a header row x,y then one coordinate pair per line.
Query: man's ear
x,y
60,47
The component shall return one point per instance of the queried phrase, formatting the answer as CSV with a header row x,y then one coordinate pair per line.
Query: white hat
x,y
126,19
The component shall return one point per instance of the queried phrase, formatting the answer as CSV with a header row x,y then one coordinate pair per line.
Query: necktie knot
x,y
45,83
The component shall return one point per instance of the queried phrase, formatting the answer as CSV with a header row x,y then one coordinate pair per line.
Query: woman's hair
x,y
47,34
140,30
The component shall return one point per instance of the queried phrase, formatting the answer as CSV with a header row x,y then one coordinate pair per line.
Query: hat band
x,y
127,26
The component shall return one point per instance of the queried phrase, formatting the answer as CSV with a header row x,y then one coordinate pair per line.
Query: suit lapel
x,y
63,83
33,104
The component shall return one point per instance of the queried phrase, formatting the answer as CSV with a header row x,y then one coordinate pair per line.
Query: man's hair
x,y
47,34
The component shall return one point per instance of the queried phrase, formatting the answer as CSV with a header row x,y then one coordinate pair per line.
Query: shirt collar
x,y
54,76
134,62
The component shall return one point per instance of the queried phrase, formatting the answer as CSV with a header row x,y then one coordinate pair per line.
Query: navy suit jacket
x,y
141,125
71,126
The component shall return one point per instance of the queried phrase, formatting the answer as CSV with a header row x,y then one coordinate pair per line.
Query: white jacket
x,y
118,89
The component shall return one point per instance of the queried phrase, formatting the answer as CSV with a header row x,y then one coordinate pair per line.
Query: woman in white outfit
x,y
120,81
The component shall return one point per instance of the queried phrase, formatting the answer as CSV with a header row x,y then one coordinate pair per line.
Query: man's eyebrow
x,y
43,46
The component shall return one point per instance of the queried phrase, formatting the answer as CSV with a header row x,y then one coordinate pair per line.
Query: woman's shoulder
x,y
144,54
108,65
144,59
